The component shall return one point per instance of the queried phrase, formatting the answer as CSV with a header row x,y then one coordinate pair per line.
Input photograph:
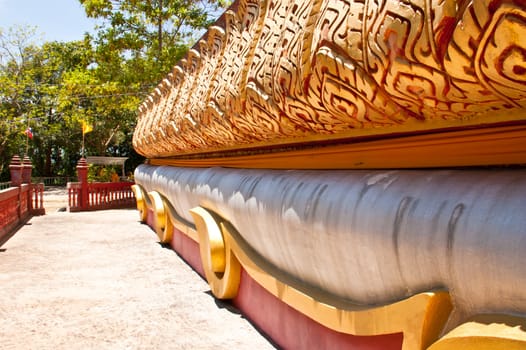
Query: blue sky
x,y
60,20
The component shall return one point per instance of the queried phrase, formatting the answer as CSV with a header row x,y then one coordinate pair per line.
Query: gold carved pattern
x,y
245,27
283,72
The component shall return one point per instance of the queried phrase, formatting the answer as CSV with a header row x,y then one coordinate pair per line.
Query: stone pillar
x,y
16,171
82,170
27,168
82,173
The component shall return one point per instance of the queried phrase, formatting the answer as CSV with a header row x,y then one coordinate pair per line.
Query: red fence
x,y
17,205
100,196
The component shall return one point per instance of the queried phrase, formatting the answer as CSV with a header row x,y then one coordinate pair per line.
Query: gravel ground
x,y
100,280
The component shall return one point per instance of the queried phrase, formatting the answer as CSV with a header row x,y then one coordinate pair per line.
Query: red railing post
x,y
27,168
82,173
36,203
41,190
16,171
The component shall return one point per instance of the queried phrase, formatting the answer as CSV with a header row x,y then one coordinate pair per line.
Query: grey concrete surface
x,y
100,280
55,199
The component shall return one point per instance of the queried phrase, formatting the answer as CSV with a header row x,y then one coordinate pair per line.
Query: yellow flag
x,y
86,127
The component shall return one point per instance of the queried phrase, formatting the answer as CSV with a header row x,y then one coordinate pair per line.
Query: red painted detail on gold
x,y
445,31
307,72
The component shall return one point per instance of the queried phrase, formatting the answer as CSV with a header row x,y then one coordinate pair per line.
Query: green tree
x,y
16,53
154,34
31,87
55,145
137,43
108,106
100,80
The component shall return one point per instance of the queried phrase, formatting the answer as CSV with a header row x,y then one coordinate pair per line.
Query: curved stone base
x,y
284,325
327,230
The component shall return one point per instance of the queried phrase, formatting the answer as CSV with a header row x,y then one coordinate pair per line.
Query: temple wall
x,y
357,167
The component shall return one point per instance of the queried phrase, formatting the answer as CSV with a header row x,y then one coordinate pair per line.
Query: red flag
x,y
29,133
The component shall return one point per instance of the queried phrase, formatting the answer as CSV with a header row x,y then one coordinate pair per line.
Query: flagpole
x,y
27,138
82,150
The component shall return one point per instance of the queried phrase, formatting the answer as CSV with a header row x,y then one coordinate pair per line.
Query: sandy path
x,y
55,199
100,280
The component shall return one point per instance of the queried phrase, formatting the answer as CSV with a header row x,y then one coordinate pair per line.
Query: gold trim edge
x,y
502,145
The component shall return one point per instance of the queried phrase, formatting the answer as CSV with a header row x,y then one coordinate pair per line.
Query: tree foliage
x,y
19,76
100,80
31,86
155,32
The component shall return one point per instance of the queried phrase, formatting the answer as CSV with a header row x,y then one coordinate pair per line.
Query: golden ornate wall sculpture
x,y
275,73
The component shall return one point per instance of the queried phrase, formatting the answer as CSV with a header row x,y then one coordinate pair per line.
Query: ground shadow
x,y
7,233
222,304
226,304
